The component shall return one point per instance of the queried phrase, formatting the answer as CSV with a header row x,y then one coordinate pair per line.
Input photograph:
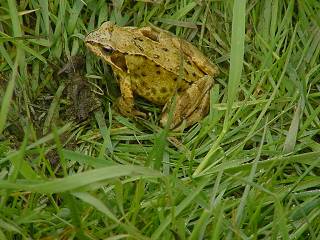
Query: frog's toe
x,y
138,113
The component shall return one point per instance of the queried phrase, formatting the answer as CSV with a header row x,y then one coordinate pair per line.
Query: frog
x,y
158,66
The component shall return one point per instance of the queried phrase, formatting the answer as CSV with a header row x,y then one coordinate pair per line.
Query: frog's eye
x,y
107,50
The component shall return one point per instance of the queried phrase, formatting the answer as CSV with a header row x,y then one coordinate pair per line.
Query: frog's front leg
x,y
125,103
190,106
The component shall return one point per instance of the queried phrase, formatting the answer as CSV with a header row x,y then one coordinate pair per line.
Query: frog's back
x,y
164,49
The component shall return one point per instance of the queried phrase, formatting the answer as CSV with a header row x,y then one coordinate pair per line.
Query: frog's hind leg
x,y
125,103
191,105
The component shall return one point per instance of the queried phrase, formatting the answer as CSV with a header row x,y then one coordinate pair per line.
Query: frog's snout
x,y
99,36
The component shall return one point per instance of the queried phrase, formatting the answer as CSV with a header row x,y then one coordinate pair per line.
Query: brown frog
x,y
157,66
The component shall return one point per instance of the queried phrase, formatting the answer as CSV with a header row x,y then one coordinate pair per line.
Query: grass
x,y
249,170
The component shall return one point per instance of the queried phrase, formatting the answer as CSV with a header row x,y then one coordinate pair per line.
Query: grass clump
x,y
249,170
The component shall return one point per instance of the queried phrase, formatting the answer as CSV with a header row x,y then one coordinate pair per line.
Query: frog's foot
x,y
190,106
127,109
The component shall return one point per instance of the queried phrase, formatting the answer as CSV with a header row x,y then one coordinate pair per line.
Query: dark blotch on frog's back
x,y
151,35
163,90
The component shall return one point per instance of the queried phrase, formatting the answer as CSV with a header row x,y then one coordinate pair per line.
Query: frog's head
x,y
100,42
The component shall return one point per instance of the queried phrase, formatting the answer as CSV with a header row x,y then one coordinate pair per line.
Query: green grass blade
x,y
5,102
236,65
236,54
73,182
